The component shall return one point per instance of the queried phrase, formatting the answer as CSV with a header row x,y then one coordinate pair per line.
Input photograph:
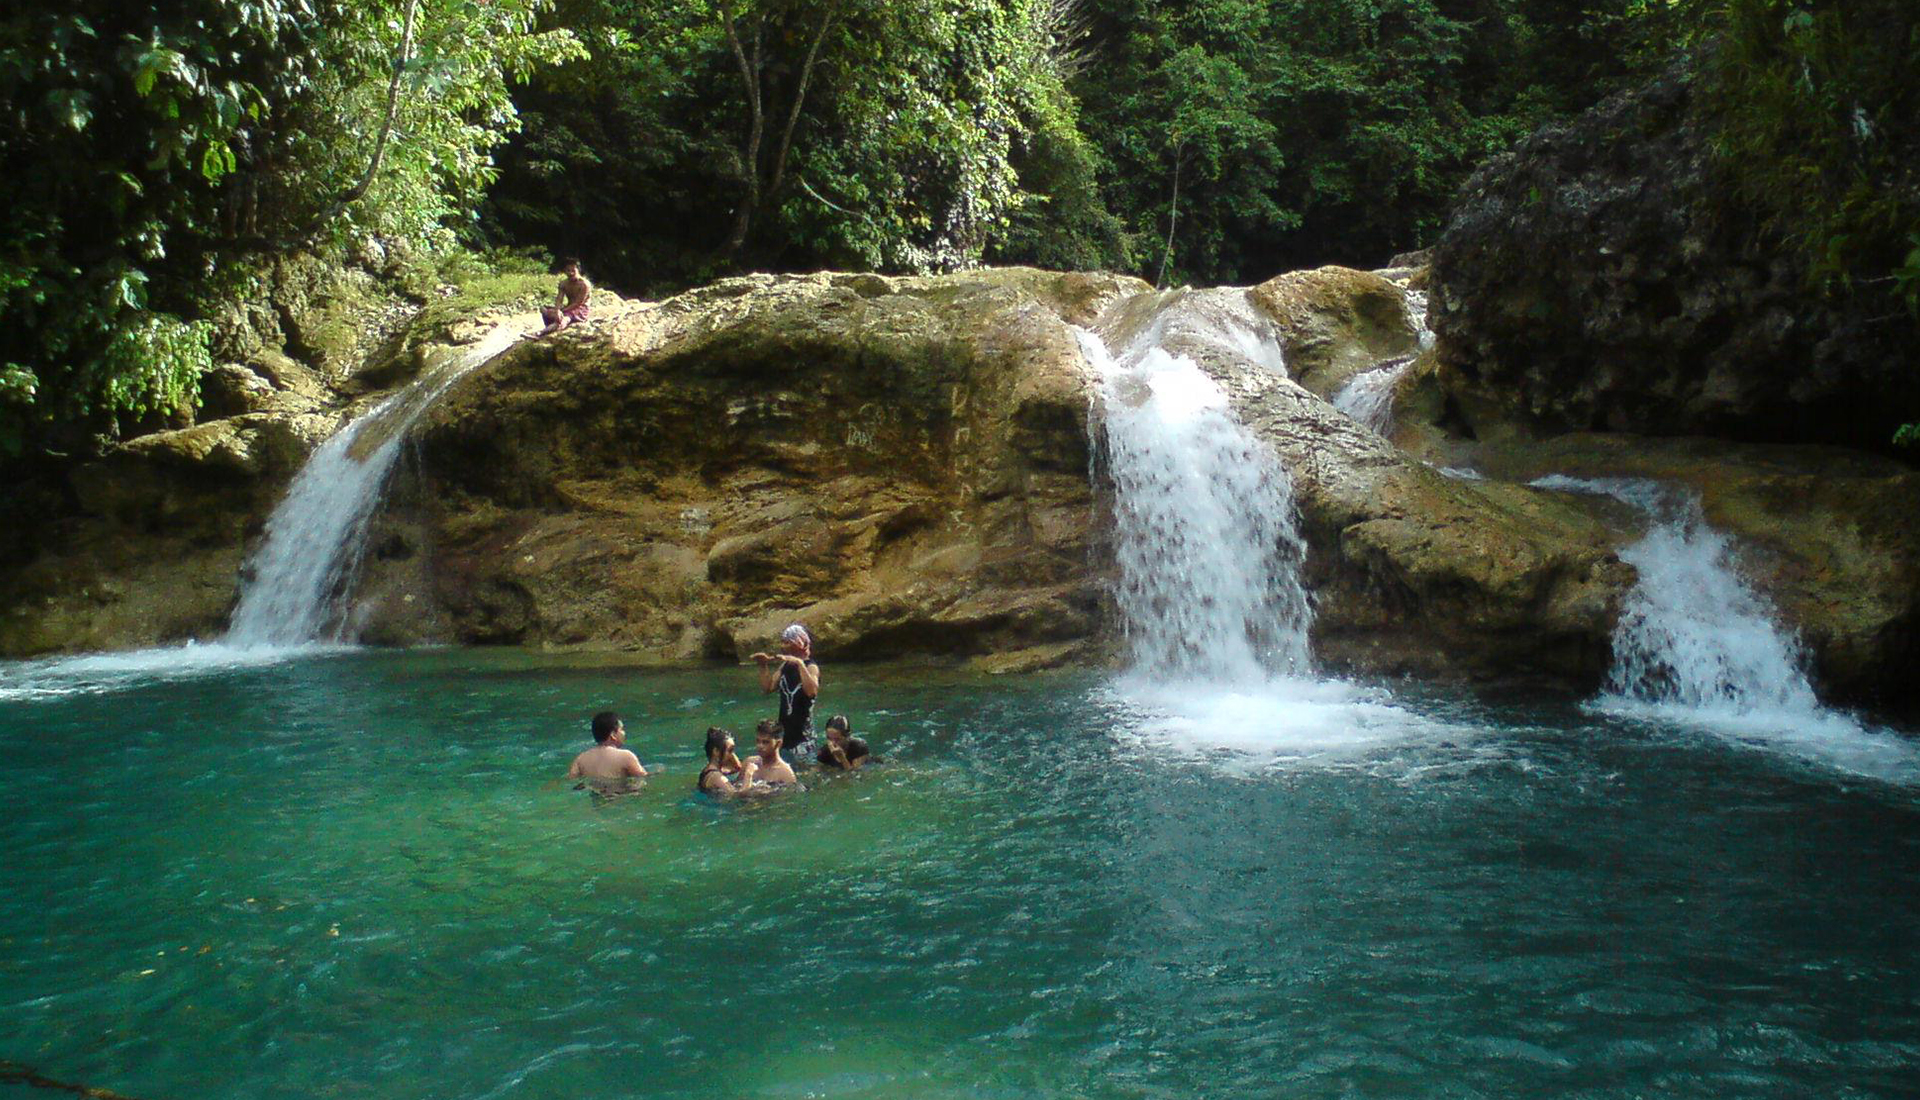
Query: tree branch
x,y
800,98
402,58
750,81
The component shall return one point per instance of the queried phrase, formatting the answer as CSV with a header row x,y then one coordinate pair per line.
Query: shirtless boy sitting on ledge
x,y
570,304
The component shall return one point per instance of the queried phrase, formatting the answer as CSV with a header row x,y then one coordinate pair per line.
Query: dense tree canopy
x,y
153,154
150,151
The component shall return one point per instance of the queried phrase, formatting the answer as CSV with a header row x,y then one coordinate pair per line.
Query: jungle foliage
x,y
1178,139
153,155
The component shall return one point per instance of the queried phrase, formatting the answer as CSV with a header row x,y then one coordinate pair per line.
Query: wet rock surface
x,y
1411,572
1825,533
905,464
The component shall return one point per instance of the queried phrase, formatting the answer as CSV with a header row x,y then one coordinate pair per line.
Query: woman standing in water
x,y
797,678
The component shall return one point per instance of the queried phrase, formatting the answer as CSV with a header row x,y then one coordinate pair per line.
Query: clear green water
x,y
353,876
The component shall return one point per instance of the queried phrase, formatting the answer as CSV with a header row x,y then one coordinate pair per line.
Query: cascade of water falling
x,y
1209,558
1368,396
1696,643
1209,555
316,535
1692,633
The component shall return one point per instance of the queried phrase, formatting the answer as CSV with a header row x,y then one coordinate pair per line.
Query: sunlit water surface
x,y
352,875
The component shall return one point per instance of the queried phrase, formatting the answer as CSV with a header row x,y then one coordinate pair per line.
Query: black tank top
x,y
796,708
700,784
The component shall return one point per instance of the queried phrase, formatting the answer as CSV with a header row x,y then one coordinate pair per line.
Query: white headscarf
x,y
797,633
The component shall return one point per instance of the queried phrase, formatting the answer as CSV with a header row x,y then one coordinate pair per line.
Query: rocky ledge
x,y
904,463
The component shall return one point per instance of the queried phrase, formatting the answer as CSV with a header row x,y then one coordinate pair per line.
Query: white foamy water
x,y
1281,722
1696,644
103,672
303,571
1209,561
1368,396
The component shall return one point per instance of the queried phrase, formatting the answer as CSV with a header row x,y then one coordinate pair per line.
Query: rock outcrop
x,y
1603,276
900,462
1412,572
145,544
905,464
1826,533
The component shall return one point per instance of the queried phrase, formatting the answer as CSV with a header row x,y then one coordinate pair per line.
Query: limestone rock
x,y
1825,534
899,462
1603,276
1411,571
230,389
1336,322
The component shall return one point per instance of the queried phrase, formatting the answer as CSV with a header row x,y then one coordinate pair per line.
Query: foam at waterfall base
x,y
104,672
1253,726
1817,735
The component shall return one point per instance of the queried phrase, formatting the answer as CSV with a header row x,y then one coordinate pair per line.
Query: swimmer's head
x,y
797,638
719,744
837,730
766,736
605,725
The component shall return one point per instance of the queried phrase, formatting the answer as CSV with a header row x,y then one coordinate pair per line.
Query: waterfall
x,y
1697,644
306,565
1204,537
1692,633
1368,396
1208,554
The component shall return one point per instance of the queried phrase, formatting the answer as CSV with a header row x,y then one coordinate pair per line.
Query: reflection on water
x,y
359,876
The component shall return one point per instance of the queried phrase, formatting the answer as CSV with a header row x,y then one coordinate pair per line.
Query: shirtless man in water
x,y
570,304
767,767
608,758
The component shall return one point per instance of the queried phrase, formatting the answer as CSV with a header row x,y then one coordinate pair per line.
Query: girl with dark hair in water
x,y
843,750
720,760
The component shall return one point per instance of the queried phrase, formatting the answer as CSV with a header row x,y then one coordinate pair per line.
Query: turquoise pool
x,y
354,875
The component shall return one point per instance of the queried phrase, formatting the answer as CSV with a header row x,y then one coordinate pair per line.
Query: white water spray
x,y
306,565
1368,396
1209,561
1208,555
1696,644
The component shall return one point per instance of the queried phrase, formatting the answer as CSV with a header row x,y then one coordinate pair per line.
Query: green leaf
x,y
71,108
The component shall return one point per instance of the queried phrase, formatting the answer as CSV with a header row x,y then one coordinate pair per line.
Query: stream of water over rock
x,y
1207,552
303,572
1696,643
1216,873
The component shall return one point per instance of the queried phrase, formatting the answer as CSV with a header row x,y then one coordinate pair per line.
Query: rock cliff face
x,y
900,462
1600,277
1412,572
1825,533
905,465
146,544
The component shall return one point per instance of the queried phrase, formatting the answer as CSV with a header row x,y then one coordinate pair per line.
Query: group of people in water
x,y
794,674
